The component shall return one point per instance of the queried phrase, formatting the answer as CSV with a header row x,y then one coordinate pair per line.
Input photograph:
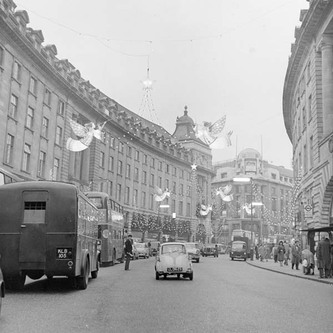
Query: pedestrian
x,y
266,251
216,251
295,254
275,252
261,252
256,251
149,248
280,253
324,257
286,253
128,251
308,261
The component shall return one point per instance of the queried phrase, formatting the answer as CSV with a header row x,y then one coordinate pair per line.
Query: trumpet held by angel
x,y
225,193
86,133
160,195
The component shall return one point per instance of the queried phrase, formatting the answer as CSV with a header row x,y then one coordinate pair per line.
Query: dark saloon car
x,y
209,250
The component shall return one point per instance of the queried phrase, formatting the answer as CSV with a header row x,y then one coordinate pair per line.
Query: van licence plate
x,y
64,253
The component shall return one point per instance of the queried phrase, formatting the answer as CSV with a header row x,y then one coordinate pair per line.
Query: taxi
x,y
173,259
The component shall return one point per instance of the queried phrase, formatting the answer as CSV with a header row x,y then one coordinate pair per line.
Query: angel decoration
x,y
247,208
86,133
208,132
160,195
204,210
224,193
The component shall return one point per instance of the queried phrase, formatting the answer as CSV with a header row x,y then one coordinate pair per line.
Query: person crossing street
x,y
128,251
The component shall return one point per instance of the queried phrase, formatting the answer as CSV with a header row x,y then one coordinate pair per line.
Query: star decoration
x,y
194,167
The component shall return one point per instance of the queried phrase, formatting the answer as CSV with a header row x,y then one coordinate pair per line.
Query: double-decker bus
x,y
47,228
110,228
6,177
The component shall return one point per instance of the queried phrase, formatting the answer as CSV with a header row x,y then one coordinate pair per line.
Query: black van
x,y
238,250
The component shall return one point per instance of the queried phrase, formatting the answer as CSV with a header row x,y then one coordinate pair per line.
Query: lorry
x,y
247,241
238,250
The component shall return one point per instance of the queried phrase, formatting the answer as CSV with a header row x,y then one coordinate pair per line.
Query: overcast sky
x,y
217,57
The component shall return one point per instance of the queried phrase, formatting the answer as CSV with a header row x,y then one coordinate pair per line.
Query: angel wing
x,y
160,195
84,132
158,191
78,129
217,128
209,133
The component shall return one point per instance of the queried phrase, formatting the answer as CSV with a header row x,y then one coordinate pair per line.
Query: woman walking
x,y
280,253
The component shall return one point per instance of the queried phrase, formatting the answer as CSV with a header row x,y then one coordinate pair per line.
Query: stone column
x,y
327,83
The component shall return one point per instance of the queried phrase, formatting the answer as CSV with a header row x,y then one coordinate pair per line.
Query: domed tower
x,y
185,134
184,128
249,162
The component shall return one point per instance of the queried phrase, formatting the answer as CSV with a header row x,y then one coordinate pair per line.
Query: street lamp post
x,y
158,216
250,180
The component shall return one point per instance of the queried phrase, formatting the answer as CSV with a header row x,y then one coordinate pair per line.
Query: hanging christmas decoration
x,y
208,132
205,209
147,109
160,195
224,193
86,132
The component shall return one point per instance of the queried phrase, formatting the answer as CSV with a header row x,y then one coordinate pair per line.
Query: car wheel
x,y
157,276
191,276
198,259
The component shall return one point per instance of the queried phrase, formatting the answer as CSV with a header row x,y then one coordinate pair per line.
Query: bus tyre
x,y
82,281
157,276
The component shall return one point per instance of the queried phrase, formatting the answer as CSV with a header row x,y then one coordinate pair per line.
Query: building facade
x,y
308,116
268,187
40,94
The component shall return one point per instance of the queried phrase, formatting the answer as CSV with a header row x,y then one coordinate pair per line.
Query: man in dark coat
x,y
324,257
128,251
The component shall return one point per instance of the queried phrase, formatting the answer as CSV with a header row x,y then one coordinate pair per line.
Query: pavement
x,y
270,265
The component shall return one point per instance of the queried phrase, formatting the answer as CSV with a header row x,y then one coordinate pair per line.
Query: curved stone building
x,y
40,94
267,184
308,116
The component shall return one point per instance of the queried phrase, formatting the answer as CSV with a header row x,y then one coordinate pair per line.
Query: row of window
x,y
152,204
30,120
26,159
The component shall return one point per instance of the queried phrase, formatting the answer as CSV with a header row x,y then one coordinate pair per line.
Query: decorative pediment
x,y
22,18
51,50
36,35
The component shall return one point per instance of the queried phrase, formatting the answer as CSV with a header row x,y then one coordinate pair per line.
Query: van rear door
x,y
32,248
